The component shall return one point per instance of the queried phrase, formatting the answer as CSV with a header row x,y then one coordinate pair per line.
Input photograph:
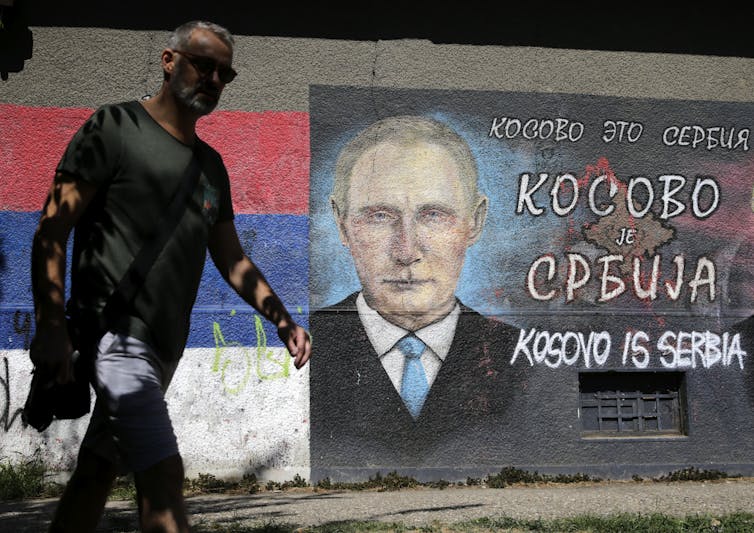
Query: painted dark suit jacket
x,y
359,422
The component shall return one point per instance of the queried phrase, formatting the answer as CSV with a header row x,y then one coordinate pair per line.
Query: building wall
x,y
239,405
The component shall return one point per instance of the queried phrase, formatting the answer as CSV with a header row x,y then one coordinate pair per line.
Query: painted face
x,y
408,224
191,82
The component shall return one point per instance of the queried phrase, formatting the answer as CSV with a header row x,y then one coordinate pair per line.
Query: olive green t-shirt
x,y
137,167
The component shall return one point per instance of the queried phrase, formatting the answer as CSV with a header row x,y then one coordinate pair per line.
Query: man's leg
x,y
130,381
159,491
84,497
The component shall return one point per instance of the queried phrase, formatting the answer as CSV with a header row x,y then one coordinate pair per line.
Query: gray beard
x,y
189,97
194,102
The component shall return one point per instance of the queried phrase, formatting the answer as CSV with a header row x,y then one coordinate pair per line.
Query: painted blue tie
x,y
414,386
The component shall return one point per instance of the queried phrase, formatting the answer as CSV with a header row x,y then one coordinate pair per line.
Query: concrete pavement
x,y
421,506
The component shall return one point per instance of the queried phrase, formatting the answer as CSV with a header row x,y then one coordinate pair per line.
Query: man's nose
x,y
406,248
215,78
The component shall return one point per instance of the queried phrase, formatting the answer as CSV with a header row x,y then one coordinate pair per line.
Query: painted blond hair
x,y
405,130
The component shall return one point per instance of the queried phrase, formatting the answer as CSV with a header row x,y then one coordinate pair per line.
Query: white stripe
x,y
235,410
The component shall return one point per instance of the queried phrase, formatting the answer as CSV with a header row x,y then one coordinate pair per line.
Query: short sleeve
x,y
217,174
94,151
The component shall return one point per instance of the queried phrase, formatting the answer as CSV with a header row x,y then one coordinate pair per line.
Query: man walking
x,y
113,184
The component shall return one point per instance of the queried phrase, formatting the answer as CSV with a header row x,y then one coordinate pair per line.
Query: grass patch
x,y
335,527
392,481
123,488
233,528
296,483
652,523
511,475
26,480
22,480
507,476
694,474
209,484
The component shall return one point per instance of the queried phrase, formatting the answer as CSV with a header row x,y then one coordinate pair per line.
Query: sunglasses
x,y
205,66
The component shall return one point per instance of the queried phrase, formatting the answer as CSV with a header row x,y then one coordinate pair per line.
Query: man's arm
x,y
51,347
248,281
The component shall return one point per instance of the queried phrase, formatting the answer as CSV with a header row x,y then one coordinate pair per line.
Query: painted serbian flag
x,y
267,156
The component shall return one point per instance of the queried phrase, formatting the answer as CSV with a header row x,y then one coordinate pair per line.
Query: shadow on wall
x,y
16,40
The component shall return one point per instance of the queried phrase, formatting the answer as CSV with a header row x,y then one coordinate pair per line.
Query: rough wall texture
x,y
592,386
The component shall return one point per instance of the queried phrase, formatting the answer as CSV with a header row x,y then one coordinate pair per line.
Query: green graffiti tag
x,y
263,353
235,374
223,361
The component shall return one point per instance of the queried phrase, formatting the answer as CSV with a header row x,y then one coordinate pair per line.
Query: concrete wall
x,y
237,403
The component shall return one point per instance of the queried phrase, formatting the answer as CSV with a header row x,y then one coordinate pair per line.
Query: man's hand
x,y
52,353
297,340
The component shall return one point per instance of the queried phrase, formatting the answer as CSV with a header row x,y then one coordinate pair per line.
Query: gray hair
x,y
405,130
180,37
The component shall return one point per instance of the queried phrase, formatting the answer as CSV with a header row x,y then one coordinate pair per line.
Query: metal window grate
x,y
631,403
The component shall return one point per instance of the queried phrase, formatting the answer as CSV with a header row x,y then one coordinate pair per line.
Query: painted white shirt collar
x,y
383,335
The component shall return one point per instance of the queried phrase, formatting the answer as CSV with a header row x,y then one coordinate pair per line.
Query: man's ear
x,y
168,61
339,217
479,216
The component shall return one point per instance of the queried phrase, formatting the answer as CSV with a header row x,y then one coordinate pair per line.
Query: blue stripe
x,y
15,257
278,244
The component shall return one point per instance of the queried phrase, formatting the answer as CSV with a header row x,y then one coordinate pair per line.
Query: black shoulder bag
x,y
48,399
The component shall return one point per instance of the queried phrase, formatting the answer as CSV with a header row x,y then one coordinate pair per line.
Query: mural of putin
x,y
405,375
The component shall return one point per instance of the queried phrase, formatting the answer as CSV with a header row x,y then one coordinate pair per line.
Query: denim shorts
x,y
130,425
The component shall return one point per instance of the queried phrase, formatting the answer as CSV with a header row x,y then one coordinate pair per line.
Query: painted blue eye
x,y
381,217
434,216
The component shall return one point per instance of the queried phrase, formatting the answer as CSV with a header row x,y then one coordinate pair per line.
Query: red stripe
x,y
267,155
32,139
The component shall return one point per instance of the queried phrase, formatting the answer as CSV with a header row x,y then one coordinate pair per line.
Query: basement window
x,y
632,404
